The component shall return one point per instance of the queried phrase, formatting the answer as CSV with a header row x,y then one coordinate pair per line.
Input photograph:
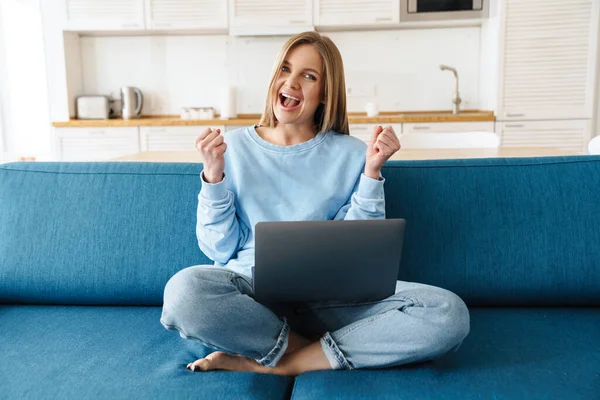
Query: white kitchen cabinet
x,y
443,127
186,14
548,51
104,15
356,12
95,144
171,138
265,17
365,131
571,135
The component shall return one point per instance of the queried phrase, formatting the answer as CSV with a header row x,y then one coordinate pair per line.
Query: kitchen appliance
x,y
92,107
131,102
435,10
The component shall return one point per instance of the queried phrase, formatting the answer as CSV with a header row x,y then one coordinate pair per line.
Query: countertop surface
x,y
388,117
403,154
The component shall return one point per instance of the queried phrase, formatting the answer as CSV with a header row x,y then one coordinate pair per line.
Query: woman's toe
x,y
201,364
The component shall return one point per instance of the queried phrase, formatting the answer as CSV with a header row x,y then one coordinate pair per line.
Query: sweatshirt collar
x,y
286,149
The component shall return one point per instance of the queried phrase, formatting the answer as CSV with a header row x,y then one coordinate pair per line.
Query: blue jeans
x,y
214,305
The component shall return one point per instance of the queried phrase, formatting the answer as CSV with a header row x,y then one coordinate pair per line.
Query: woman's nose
x,y
292,81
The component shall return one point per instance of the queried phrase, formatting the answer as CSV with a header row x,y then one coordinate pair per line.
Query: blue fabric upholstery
x,y
509,354
93,352
95,233
501,232
75,352
518,231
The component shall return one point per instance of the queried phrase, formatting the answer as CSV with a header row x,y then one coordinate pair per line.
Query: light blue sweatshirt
x,y
320,179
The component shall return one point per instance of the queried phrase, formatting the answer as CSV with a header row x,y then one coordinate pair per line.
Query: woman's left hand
x,y
382,145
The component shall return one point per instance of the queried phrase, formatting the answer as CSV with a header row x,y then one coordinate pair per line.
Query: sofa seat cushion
x,y
91,352
123,352
510,353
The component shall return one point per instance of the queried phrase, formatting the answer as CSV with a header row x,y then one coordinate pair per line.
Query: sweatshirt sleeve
x,y
367,200
218,230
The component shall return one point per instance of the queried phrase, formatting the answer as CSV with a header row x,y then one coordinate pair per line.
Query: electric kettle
x,y
131,102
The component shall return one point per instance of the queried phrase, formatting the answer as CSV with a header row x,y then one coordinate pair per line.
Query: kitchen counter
x,y
193,156
250,119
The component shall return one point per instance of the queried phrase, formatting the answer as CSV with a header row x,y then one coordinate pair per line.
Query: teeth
x,y
288,96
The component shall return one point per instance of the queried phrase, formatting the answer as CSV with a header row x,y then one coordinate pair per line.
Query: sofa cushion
x,y
91,352
501,231
96,233
509,354
123,352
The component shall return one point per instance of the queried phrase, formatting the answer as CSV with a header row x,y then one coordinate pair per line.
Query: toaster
x,y
93,107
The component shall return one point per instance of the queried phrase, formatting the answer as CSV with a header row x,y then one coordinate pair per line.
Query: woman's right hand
x,y
212,146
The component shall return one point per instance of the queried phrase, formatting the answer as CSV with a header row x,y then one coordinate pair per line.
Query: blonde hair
x,y
333,114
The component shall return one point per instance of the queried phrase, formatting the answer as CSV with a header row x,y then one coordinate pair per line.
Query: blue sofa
x,y
86,249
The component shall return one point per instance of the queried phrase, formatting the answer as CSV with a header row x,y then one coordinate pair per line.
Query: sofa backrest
x,y
519,231
505,231
95,233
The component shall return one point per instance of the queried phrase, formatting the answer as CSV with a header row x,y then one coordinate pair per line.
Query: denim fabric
x,y
214,305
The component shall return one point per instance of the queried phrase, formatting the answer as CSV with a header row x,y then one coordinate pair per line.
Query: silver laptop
x,y
310,261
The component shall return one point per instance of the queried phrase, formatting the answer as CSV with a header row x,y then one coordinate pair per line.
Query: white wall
x,y
3,94
401,66
596,117
25,106
489,58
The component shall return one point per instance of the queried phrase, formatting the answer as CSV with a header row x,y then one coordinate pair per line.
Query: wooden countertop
x,y
403,154
388,117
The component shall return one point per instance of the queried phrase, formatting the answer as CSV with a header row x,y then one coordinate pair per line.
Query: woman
x,y
299,164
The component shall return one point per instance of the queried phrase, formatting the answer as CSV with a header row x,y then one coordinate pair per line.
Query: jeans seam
x,y
416,302
331,348
235,276
273,357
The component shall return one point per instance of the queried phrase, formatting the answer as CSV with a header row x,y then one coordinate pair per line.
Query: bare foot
x,y
224,361
309,358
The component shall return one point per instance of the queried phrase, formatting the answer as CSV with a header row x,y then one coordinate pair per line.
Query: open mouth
x,y
288,102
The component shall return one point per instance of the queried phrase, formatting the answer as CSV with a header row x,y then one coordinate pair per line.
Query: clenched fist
x,y
212,146
382,145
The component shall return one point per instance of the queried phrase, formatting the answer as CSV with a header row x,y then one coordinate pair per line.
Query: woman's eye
x,y
285,69
311,77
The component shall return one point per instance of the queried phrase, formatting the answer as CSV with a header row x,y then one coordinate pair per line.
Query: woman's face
x,y
299,86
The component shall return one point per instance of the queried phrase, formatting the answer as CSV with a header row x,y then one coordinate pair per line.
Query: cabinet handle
x,y
514,126
100,132
158,130
510,115
421,128
381,19
130,25
297,21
